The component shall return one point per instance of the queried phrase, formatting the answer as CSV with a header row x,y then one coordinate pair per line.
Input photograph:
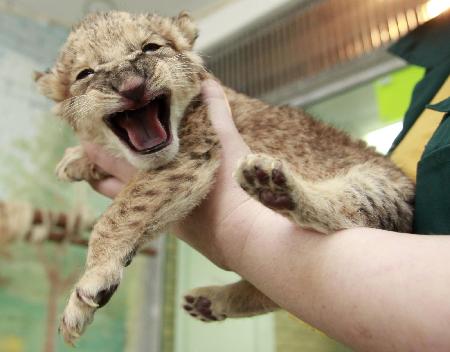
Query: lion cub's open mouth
x,y
146,129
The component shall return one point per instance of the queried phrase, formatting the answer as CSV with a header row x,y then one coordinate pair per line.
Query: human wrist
x,y
275,249
262,231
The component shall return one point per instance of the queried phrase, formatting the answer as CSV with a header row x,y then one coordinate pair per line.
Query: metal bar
x,y
311,38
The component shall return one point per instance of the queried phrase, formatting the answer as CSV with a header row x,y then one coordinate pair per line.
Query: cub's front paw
x,y
206,304
267,180
69,168
93,291
75,166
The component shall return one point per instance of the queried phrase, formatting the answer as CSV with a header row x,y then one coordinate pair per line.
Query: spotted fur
x,y
317,176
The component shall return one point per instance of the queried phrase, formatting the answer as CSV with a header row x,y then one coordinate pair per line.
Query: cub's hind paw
x,y
203,304
267,180
93,291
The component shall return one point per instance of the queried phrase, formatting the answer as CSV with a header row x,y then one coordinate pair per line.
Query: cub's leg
x,y
214,303
145,208
369,194
75,166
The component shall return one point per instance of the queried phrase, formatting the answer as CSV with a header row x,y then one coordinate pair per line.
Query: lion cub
x,y
131,83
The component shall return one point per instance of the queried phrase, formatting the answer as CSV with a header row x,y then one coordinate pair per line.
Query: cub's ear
x,y
187,27
49,85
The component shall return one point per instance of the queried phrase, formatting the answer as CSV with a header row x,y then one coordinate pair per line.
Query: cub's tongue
x,y
143,127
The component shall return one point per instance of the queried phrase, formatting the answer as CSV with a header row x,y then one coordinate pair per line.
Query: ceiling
x,y
67,12
216,19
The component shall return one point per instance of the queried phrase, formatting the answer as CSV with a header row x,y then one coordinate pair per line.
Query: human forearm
x,y
371,289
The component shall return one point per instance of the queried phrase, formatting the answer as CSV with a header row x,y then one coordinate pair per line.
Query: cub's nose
x,y
132,88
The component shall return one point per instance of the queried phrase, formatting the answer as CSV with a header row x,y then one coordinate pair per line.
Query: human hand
x,y
219,226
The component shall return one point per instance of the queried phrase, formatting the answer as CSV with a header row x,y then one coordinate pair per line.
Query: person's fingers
x,y
109,187
119,168
220,115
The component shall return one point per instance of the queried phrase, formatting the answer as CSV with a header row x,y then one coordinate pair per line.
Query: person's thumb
x,y
219,113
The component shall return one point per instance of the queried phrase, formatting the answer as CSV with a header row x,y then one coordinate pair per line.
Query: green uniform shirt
x,y
429,46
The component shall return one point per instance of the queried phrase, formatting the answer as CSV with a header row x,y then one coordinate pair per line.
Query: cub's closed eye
x,y
149,47
83,74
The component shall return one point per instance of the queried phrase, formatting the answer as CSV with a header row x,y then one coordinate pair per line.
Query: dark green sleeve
x,y
429,46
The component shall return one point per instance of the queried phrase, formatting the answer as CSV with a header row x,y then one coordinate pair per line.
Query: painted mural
x,y
38,269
